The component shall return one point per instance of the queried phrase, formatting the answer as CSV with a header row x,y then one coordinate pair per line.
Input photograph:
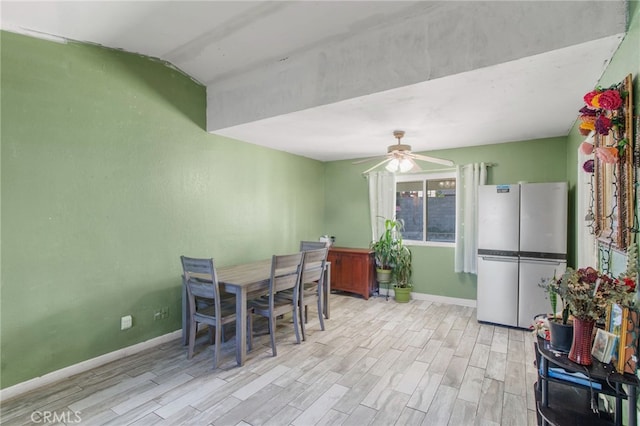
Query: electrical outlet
x,y
126,322
161,313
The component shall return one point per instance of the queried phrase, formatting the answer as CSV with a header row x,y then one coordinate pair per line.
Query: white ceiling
x,y
223,44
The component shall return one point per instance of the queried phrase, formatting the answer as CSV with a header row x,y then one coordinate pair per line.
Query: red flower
x,y
588,98
610,99
630,283
588,275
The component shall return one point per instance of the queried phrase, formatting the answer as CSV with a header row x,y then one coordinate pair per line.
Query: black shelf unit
x,y
561,402
570,406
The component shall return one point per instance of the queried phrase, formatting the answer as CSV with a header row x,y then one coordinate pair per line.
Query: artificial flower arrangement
x,y
589,292
601,115
586,293
598,101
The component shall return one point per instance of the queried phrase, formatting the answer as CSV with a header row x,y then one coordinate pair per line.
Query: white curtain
x,y
468,178
382,200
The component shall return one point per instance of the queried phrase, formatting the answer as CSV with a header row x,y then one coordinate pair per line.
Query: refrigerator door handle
x,y
500,259
542,261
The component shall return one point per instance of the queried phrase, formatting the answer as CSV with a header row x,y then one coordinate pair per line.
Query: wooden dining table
x,y
244,281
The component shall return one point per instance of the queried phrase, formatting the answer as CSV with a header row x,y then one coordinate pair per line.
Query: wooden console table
x,y
352,270
567,403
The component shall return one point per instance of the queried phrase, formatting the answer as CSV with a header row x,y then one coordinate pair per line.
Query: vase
x,y
580,352
561,335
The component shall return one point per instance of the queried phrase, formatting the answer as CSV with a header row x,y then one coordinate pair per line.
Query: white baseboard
x,y
435,298
83,366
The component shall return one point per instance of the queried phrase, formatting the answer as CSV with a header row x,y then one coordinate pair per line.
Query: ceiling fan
x,y
400,158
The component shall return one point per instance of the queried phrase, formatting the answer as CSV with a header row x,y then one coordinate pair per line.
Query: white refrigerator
x,y
522,240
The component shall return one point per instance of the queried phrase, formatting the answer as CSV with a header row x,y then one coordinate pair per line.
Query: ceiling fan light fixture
x,y
405,165
399,158
392,165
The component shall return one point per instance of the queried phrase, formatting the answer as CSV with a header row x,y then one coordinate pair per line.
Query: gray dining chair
x,y
285,276
206,306
312,285
311,245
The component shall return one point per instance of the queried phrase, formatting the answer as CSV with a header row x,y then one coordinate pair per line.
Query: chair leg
x,y
320,305
320,315
211,332
216,349
304,332
272,333
250,331
296,326
192,338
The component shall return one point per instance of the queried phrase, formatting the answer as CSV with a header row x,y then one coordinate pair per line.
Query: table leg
x,y
618,413
545,385
185,314
241,326
327,289
545,382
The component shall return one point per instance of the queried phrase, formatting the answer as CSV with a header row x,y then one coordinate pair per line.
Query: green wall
x,y
347,204
108,176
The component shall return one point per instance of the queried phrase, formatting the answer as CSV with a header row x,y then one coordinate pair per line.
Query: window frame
x,y
424,177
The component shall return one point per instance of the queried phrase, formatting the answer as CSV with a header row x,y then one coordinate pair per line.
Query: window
x,y
427,206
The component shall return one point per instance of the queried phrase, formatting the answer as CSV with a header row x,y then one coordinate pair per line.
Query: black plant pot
x,y
561,335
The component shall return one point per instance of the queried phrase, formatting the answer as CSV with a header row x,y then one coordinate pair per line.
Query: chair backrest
x,y
311,245
285,272
313,265
201,280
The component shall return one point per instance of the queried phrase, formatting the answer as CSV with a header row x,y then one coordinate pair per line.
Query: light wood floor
x,y
378,363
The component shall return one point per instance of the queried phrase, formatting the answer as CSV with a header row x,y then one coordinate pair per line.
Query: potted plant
x,y
384,251
560,329
393,260
402,270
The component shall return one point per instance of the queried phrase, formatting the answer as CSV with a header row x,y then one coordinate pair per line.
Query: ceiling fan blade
x,y
415,167
377,165
368,159
432,159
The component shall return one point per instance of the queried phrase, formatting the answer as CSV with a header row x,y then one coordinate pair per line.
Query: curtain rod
x,y
448,169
